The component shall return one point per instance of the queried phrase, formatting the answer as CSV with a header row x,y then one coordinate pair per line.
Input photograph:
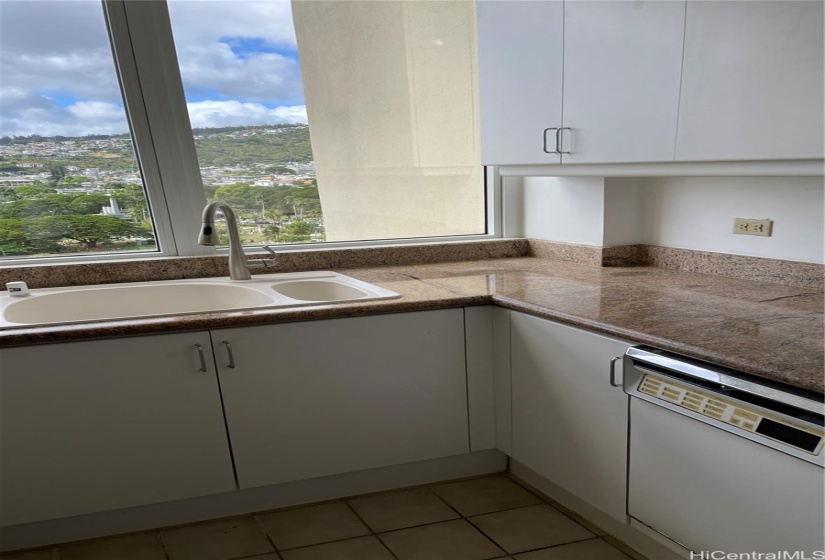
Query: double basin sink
x,y
177,297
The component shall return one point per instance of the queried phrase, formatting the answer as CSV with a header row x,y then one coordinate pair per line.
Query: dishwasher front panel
x,y
711,490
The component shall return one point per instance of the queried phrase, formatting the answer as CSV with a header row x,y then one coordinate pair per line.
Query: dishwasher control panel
x,y
734,413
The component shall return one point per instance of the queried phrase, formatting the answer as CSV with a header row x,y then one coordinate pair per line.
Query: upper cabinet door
x,y
520,54
622,63
752,85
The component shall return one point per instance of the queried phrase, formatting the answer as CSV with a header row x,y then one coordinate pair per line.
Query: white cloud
x,y
58,75
213,114
206,21
96,111
258,77
22,114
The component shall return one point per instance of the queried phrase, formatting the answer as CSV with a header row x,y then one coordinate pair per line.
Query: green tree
x,y
27,236
88,203
279,170
272,233
132,199
57,170
90,230
297,232
33,191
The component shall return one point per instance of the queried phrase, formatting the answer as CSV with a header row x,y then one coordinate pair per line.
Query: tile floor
x,y
477,519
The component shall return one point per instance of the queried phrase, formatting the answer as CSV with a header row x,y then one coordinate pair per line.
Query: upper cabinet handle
x,y
560,139
613,371
231,364
544,147
201,357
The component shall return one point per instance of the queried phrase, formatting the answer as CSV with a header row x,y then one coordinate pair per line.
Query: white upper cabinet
x,y
520,58
752,84
606,71
622,63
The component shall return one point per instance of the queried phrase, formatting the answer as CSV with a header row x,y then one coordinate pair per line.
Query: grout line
x,y
260,526
559,545
373,533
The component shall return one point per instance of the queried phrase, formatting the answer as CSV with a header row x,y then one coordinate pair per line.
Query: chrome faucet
x,y
238,269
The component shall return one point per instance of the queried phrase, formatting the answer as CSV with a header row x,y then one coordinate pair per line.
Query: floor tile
x,y
141,546
268,556
594,549
568,512
362,548
312,525
39,554
398,510
450,540
615,543
528,528
216,540
485,495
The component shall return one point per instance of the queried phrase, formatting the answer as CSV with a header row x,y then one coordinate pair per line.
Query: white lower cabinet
x,y
318,398
102,425
569,422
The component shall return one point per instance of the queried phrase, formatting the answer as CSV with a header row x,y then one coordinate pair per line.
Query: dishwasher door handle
x,y
613,372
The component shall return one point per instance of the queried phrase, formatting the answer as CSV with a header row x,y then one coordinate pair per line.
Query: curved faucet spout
x,y
238,269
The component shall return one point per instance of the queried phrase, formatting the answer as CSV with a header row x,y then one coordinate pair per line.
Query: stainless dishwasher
x,y
724,461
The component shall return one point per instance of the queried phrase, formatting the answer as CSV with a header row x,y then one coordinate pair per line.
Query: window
x,y
69,178
370,133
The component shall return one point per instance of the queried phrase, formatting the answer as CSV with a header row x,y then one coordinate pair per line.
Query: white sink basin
x,y
131,301
320,290
146,299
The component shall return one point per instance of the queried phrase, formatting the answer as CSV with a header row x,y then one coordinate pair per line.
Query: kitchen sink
x,y
320,290
176,297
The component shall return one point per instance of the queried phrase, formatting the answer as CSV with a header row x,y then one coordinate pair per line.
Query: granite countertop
x,y
771,330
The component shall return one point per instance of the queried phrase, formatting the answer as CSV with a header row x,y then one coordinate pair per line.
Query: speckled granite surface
x,y
795,273
768,329
177,268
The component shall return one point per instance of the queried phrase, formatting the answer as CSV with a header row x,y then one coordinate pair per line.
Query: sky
x,y
238,60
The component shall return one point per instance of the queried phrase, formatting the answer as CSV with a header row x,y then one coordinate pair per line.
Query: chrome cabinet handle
x,y
613,371
559,139
231,364
546,151
201,357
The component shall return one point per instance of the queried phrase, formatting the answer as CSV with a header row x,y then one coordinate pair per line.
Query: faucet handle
x,y
263,263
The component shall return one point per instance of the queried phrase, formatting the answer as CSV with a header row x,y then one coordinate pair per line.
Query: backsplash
x,y
178,268
794,273
808,275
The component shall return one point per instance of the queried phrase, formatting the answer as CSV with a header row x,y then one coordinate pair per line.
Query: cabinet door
x,y
102,425
520,59
569,423
752,81
622,66
312,399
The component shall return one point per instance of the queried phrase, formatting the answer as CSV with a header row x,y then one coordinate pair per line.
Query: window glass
x,y
69,178
371,133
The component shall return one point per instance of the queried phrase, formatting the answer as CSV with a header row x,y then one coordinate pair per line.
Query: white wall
x,y
393,116
683,212
567,209
624,203
698,212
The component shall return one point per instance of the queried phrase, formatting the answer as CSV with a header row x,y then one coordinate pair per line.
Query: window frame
x,y
140,34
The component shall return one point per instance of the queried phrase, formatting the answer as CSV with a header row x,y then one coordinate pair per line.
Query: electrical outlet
x,y
745,226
